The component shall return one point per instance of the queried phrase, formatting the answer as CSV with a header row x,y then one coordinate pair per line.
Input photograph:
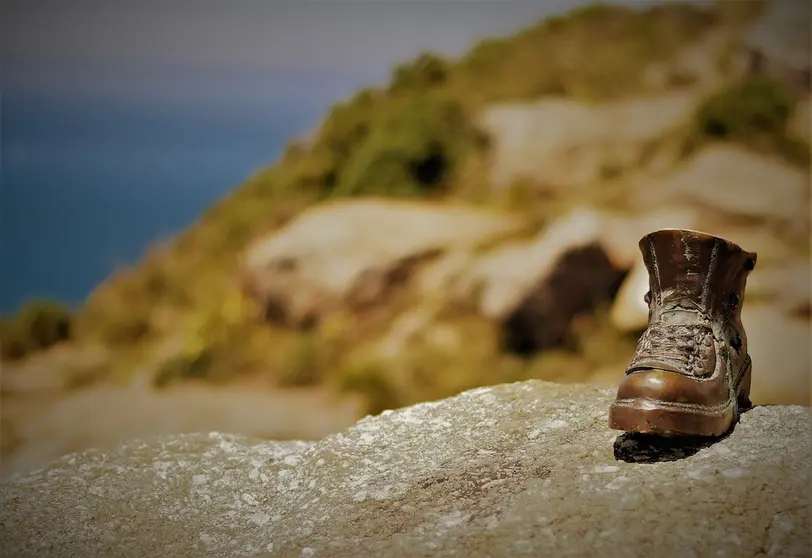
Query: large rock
x,y
534,288
581,281
527,469
562,143
777,43
511,273
736,183
629,310
787,287
361,252
356,252
697,64
782,363
501,278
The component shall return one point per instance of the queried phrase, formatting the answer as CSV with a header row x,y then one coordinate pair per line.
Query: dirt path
x,y
45,425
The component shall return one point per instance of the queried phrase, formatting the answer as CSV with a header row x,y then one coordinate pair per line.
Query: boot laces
x,y
685,345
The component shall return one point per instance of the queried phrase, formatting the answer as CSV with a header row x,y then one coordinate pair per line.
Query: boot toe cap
x,y
670,387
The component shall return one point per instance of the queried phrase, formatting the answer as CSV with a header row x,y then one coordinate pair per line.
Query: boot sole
x,y
654,417
647,416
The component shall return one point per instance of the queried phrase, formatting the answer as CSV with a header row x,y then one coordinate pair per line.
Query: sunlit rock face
x,y
525,469
777,43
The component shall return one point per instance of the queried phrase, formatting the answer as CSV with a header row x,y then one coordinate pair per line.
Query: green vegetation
x,y
755,112
414,149
555,58
440,363
415,137
38,325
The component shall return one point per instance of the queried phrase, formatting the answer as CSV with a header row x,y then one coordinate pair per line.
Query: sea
x,y
90,181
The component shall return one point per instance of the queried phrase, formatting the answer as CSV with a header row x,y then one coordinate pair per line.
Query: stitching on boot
x,y
715,410
711,270
656,266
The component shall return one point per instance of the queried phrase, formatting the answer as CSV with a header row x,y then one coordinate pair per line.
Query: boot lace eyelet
x,y
736,343
686,345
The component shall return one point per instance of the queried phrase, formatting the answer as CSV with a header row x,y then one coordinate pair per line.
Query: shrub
x,y
427,71
346,128
549,58
374,382
755,112
305,364
182,367
119,311
749,108
38,325
413,149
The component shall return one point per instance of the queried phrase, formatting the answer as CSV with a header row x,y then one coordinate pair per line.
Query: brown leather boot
x,y
690,373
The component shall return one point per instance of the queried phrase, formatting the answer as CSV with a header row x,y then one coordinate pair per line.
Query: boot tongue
x,y
682,312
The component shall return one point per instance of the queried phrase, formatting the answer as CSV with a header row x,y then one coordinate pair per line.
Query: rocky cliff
x,y
513,258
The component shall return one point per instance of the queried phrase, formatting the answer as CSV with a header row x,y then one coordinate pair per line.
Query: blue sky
x,y
242,47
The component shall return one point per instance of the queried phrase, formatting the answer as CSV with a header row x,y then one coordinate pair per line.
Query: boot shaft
x,y
696,271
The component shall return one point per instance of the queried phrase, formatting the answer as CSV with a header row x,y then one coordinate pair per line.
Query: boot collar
x,y
695,270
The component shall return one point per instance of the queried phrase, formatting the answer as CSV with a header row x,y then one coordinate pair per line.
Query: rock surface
x,y
507,274
735,182
782,362
527,469
777,43
801,117
357,251
564,143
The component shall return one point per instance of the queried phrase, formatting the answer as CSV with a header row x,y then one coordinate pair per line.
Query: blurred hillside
x,y
473,222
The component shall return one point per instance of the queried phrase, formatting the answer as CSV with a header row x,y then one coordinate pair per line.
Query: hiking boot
x,y
690,373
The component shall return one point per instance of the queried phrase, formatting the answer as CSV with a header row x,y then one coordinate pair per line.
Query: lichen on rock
x,y
522,469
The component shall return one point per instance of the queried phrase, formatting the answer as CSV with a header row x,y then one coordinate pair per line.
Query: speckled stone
x,y
525,469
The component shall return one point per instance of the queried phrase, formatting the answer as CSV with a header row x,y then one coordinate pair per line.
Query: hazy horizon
x,y
277,48
123,121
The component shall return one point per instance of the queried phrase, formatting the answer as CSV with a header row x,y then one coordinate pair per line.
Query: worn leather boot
x,y
690,373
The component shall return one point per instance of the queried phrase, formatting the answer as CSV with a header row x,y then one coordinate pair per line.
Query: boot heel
x,y
743,393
